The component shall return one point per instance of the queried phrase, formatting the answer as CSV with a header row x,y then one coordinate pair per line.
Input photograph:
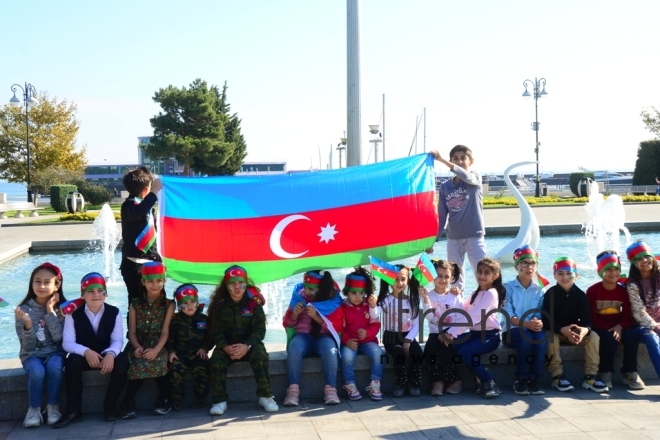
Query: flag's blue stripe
x,y
233,197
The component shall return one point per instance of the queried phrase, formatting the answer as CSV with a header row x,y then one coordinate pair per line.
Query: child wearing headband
x,y
312,321
612,319
523,304
360,333
93,337
568,306
185,346
237,328
149,319
643,287
39,326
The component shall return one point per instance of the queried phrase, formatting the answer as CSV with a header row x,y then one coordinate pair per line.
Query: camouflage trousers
x,y
198,368
258,359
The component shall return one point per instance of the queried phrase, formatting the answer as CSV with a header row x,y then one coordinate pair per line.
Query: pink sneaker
x,y
352,391
292,394
330,395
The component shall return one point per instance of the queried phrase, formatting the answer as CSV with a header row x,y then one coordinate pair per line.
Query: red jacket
x,y
355,318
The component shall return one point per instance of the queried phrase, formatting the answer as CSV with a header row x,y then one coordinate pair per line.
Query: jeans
x,y
471,350
652,341
608,347
530,353
475,247
303,344
39,369
372,350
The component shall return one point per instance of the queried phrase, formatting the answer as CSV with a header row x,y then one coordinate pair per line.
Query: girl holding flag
x,y
442,370
400,307
312,320
39,326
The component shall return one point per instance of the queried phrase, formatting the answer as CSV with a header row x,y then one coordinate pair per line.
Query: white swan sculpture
x,y
529,232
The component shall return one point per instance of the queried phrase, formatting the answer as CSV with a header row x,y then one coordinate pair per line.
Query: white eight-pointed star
x,y
327,233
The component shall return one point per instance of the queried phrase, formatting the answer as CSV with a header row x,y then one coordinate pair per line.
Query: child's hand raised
x,y
202,354
172,356
297,310
423,293
156,185
23,316
52,302
455,291
373,301
362,333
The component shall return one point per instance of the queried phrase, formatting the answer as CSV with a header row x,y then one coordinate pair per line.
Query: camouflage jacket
x,y
187,333
234,323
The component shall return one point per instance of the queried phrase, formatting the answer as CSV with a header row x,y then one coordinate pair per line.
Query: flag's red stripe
x,y
367,225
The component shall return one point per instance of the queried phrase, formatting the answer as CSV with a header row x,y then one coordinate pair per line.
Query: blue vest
x,y
85,332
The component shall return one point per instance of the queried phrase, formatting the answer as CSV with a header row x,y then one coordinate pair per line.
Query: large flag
x,y
279,225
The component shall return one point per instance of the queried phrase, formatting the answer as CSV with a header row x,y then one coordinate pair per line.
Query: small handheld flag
x,y
542,281
425,272
69,307
3,303
385,271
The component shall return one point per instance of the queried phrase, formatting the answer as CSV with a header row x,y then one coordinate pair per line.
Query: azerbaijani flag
x,y
542,281
385,271
279,225
425,272
3,303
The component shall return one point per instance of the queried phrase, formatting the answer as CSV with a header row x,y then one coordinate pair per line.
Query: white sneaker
x,y
54,414
633,381
33,418
218,409
269,404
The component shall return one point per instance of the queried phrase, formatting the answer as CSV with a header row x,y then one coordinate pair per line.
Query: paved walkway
x,y
581,414
620,414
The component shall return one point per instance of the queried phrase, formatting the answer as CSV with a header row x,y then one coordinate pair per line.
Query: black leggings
x,y
411,376
133,386
439,359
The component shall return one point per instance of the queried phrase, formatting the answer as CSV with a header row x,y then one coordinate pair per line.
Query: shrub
x,y
84,217
93,194
575,178
58,195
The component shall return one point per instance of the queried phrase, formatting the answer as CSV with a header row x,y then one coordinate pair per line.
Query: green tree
x,y
53,130
647,166
192,128
43,179
651,119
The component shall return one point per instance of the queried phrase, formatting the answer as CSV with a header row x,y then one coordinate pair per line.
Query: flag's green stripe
x,y
264,271
388,280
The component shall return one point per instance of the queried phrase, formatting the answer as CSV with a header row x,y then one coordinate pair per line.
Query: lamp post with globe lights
x,y
539,92
28,101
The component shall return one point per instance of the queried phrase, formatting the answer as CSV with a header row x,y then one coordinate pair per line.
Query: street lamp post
x,y
373,129
538,93
29,101
341,147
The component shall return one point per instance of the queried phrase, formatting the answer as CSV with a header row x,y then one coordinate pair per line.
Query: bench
x,y
18,207
242,387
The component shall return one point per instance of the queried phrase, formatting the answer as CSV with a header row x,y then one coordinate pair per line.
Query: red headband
x,y
58,272
235,273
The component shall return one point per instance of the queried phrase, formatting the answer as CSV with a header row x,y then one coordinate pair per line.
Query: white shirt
x,y
69,337
390,320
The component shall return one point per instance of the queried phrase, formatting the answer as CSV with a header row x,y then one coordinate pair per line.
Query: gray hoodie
x,y
45,336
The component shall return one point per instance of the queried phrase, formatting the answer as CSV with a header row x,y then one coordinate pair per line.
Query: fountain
x,y
605,220
105,228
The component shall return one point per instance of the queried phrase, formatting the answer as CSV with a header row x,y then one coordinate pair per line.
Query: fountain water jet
x,y
605,220
105,228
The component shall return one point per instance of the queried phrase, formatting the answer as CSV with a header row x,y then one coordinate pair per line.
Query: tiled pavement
x,y
581,414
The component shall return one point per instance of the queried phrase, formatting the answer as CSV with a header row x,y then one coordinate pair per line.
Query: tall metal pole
x,y
383,127
424,129
536,128
354,123
28,93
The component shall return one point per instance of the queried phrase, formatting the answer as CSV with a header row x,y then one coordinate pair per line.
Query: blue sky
x,y
285,64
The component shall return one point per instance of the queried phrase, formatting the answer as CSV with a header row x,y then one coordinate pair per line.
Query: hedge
x,y
58,195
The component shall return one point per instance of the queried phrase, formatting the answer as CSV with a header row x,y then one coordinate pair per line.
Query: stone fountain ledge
x,y
242,387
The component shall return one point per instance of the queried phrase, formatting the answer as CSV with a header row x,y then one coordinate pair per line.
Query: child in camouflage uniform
x,y
237,328
186,349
